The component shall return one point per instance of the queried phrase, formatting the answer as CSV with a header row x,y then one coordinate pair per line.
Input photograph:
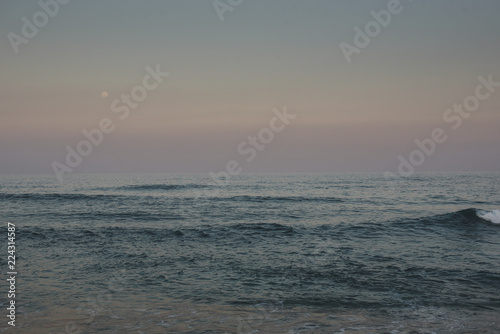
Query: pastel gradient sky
x,y
227,76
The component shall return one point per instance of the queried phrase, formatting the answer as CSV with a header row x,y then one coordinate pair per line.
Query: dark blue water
x,y
324,243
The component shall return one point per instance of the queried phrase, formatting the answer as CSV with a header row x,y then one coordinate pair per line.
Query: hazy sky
x,y
227,76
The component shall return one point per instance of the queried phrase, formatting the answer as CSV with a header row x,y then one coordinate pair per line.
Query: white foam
x,y
491,216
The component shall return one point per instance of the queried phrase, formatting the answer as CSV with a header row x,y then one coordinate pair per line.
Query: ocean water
x,y
270,253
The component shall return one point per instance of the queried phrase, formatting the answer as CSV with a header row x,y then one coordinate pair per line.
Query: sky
x,y
231,66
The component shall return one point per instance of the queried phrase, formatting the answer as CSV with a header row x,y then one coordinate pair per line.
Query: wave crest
x,y
491,216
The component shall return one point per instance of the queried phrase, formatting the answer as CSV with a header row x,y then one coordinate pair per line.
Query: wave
x,y
263,228
162,187
248,198
491,216
108,233
464,217
225,232
56,196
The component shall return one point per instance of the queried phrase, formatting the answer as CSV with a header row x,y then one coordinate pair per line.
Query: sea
x,y
257,253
